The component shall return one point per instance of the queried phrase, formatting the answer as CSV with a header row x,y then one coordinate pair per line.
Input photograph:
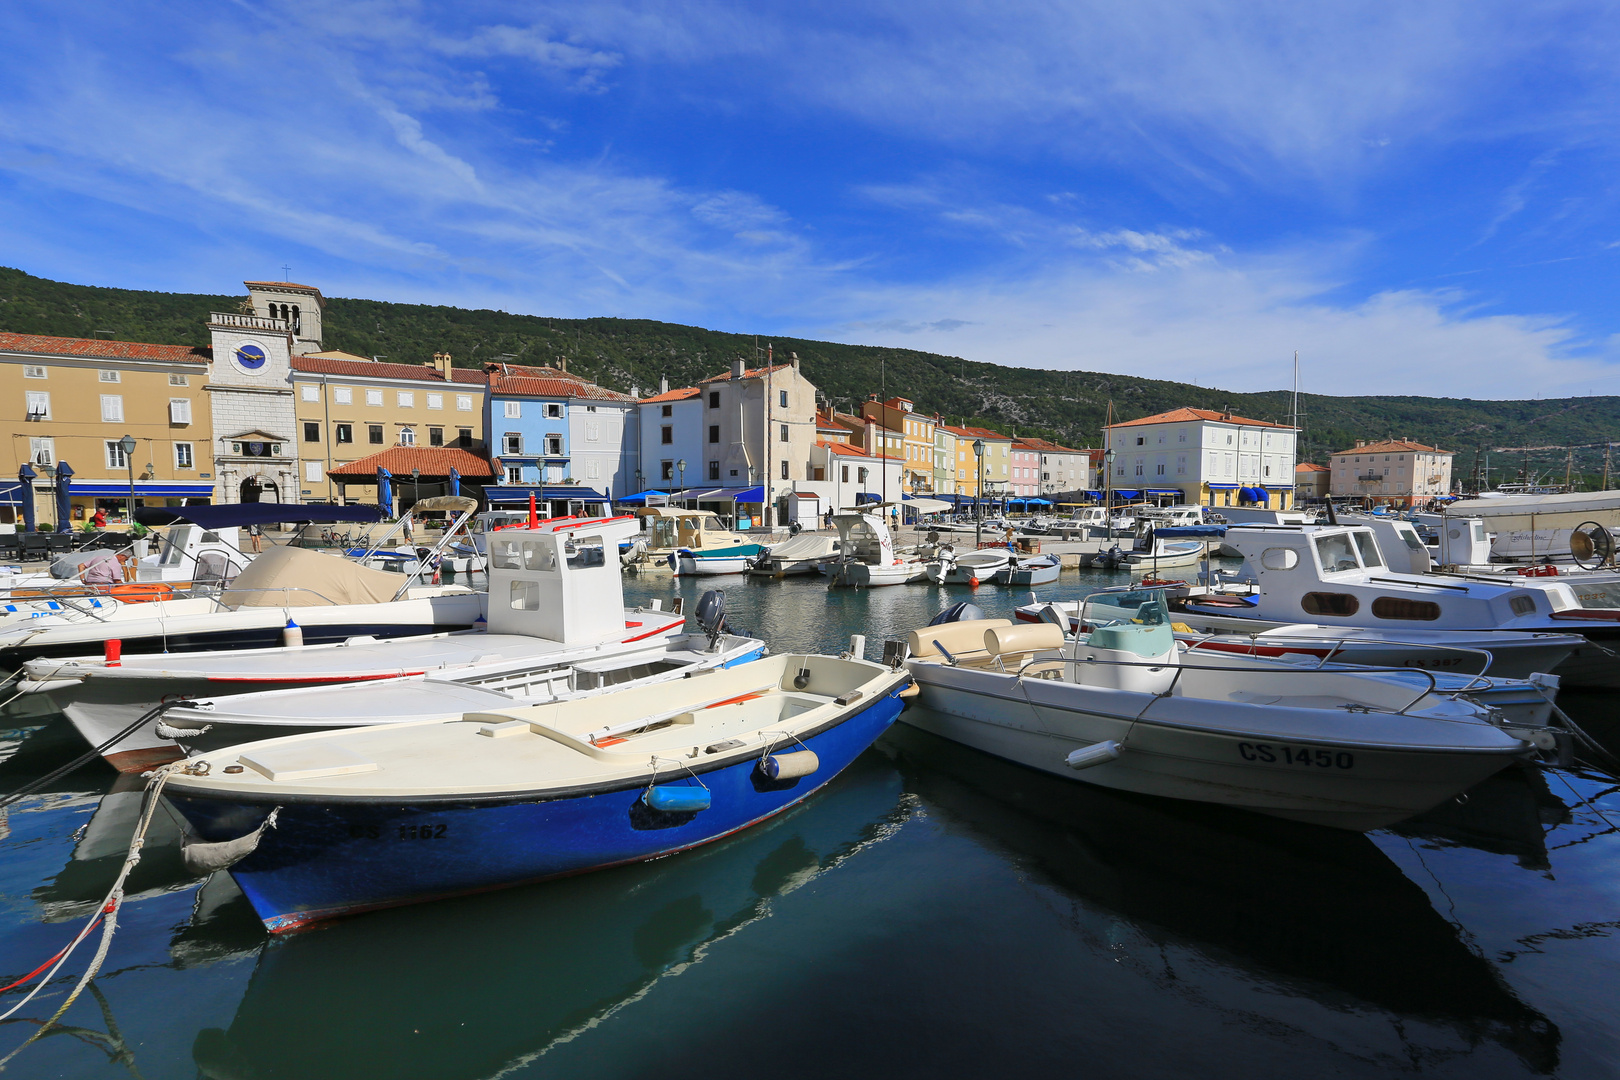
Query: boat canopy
x,y
299,577
1190,532
229,515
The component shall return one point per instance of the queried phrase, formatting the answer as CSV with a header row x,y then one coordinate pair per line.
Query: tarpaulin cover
x,y
299,577
231,515
1190,532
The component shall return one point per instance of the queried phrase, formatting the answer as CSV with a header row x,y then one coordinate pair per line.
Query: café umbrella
x,y
64,488
25,476
385,491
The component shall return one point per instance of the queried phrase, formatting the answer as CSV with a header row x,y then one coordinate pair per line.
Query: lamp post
x,y
978,495
681,465
416,486
1108,490
127,445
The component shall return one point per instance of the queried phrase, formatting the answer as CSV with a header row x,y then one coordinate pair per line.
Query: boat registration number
x,y
1269,754
429,831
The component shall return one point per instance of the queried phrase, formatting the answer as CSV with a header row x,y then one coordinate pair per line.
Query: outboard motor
x,y
711,615
963,612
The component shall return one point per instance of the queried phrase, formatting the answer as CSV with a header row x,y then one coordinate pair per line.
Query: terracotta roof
x,y
1307,466
682,394
976,433
318,364
1393,446
848,450
1045,446
560,386
432,460
1182,416
748,373
101,347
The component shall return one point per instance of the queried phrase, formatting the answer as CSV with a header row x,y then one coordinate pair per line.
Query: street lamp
x,y
416,486
127,445
978,500
681,465
1108,490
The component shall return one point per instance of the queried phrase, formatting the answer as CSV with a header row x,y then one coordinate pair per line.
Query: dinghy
x,y
866,557
802,554
1037,570
400,813
968,567
1124,707
702,562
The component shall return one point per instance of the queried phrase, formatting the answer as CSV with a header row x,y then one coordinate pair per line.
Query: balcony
x,y
247,322
1370,478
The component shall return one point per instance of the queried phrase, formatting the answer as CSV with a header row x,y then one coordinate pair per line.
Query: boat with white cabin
x,y
866,557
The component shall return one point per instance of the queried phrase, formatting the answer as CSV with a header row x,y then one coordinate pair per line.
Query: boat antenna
x,y
1294,420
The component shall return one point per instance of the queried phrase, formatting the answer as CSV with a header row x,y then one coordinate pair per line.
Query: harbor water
x,y
932,913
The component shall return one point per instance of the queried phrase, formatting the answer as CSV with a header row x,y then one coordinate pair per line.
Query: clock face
x,y
250,357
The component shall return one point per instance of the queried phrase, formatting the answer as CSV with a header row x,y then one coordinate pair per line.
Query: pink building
x,y
1025,464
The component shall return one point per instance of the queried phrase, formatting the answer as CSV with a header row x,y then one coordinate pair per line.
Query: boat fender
x,y
677,798
1096,754
113,652
292,636
201,858
789,766
802,679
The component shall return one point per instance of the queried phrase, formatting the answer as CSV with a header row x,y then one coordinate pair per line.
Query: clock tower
x,y
250,389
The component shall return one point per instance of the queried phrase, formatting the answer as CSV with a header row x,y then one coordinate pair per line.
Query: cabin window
x,y
585,552
505,555
525,595
1368,547
1522,605
537,556
1411,538
1336,553
1393,607
1278,558
1329,603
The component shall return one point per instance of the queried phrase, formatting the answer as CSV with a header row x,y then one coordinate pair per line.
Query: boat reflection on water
x,y
1507,814
481,985
1315,914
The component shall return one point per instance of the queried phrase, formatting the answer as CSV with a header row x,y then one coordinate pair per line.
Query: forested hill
x,y
622,353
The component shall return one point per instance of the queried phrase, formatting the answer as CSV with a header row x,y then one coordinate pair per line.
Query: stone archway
x,y
259,489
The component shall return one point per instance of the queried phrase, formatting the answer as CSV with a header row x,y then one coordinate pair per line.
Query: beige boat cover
x,y
298,577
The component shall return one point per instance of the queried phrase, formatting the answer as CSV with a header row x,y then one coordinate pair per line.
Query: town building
x,y
995,469
1397,471
845,475
396,478
670,424
350,408
1310,481
555,431
1024,461
1060,467
1203,457
908,434
68,403
945,461
758,426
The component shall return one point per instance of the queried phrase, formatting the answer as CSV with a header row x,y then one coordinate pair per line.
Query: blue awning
x,y
1127,494
1165,491
732,494
144,489
640,497
11,492
867,497
542,493
231,515
1223,487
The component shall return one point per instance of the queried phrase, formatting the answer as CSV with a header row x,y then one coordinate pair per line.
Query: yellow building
x,y
70,402
349,407
915,442
996,466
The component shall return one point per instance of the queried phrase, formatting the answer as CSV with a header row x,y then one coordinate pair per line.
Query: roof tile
x,y
432,460
101,347
1183,416
377,369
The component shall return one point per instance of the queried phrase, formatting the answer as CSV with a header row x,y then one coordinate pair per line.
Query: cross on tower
x,y
286,272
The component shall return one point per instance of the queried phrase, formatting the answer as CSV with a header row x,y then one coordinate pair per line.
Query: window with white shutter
x,y
310,392
514,410
112,408
343,395
179,410
406,399
464,403
435,401
39,405
42,451
374,397
312,472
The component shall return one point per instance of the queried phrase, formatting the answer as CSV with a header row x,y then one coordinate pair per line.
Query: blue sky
x,y
1419,198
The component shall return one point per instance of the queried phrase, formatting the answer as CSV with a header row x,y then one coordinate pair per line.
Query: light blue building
x,y
557,437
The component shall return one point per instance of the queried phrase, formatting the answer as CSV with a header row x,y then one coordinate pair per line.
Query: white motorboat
x,y
1035,570
866,557
669,529
1505,654
802,554
1160,549
1337,575
709,561
1124,707
558,626
968,567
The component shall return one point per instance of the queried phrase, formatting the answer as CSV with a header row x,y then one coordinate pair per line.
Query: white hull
x,y
1206,750
974,567
859,575
708,567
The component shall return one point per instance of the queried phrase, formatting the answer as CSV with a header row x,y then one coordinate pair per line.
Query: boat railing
x,y
1168,691
1336,645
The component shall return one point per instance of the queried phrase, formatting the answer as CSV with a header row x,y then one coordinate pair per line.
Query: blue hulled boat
x,y
377,817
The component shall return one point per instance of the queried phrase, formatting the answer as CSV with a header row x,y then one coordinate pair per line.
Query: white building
x,y
671,432
1395,471
1204,457
844,475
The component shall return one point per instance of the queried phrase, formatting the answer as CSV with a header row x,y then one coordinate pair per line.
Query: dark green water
x,y
931,913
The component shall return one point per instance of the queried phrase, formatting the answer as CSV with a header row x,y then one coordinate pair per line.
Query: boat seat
x,y
963,640
1011,646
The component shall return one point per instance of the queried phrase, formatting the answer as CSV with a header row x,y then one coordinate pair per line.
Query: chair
x,y
58,543
11,546
35,546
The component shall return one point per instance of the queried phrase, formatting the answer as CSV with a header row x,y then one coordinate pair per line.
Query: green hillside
x,y
623,353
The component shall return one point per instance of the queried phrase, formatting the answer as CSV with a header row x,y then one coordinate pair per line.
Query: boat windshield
x,y
666,533
174,546
1602,593
1336,553
1368,546
1143,607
